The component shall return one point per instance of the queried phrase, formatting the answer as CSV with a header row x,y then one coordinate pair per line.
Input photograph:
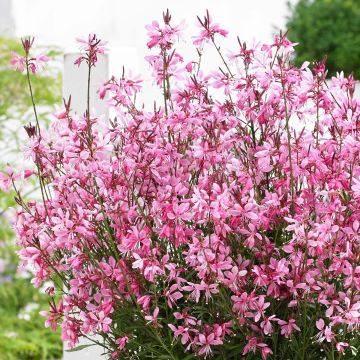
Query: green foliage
x,y
327,28
20,338
22,332
28,339
80,347
14,95
15,102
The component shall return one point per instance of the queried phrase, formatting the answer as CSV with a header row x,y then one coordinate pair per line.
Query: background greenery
x,y
22,332
328,28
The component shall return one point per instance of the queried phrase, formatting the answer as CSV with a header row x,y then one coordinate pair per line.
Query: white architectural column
x,y
7,24
89,353
75,84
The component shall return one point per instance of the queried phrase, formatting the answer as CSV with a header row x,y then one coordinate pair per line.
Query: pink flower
x,y
196,289
17,62
92,46
103,322
39,63
189,67
208,31
33,64
356,187
179,212
173,295
151,270
260,306
206,341
8,177
340,346
325,332
222,81
188,319
181,331
122,342
138,263
56,313
163,36
153,319
252,345
287,328
144,301
266,324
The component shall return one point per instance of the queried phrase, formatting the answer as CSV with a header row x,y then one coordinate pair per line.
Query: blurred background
x,y
122,23
323,28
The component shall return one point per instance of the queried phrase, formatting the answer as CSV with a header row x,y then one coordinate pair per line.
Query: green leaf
x,y
354,350
190,356
80,347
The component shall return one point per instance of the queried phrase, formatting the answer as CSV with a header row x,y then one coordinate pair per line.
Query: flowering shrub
x,y
224,222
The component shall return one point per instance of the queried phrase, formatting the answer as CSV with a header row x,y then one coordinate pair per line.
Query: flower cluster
x,y
165,36
208,31
92,47
214,225
32,63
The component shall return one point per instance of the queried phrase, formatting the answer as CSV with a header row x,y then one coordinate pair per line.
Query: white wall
x,y
75,80
122,24
7,26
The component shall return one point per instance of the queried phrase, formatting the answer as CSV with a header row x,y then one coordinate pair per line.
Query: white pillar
x,y
75,84
7,25
89,353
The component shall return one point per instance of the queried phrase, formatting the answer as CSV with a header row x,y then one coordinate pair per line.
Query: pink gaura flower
x,y
17,62
325,332
196,289
188,319
56,313
287,327
138,263
260,306
122,342
341,346
153,319
179,212
173,295
103,322
208,31
144,301
183,332
206,341
163,36
92,47
266,324
253,344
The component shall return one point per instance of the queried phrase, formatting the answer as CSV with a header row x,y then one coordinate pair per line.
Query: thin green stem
x,y
32,97
292,190
88,107
42,185
222,57
164,83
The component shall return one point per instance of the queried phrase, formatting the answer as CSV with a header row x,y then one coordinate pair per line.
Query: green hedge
x,y
327,28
